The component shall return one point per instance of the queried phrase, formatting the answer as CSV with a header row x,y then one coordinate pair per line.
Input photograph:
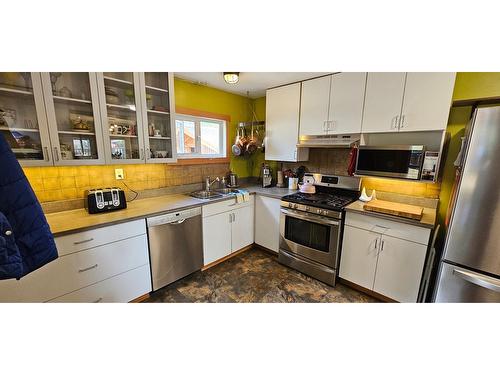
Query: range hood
x,y
328,141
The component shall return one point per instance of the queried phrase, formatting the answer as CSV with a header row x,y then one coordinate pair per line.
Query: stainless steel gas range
x,y
311,225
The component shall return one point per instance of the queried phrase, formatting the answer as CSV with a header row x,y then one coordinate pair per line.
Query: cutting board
x,y
393,208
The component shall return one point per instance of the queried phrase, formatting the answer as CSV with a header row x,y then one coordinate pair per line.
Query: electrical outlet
x,y
119,174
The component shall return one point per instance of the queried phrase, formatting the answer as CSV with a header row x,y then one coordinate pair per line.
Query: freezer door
x,y
473,238
458,284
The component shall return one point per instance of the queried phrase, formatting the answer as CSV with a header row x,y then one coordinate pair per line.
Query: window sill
x,y
193,161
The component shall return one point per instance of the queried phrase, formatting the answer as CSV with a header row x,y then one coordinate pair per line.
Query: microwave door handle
x,y
309,217
482,281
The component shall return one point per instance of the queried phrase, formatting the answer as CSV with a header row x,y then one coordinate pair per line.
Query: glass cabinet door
x,y
72,109
23,120
121,117
157,90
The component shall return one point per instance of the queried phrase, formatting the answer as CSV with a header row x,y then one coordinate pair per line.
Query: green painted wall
x,y
476,86
203,98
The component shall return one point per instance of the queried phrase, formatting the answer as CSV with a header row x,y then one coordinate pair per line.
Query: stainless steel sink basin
x,y
203,194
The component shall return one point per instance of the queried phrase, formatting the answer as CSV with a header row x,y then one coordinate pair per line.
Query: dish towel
x,y
242,196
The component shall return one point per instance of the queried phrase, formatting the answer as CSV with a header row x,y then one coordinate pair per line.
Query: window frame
x,y
197,117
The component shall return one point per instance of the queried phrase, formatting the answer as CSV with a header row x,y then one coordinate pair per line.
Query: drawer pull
x,y
98,300
88,268
82,241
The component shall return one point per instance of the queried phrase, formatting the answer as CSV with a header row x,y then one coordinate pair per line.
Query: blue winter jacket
x,y
26,242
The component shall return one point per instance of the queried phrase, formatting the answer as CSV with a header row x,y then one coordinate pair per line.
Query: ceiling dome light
x,y
231,78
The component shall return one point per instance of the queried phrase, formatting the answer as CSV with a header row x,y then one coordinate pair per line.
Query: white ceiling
x,y
255,83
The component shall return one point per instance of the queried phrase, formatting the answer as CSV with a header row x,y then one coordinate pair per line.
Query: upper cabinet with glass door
x,y
158,101
72,107
23,121
121,114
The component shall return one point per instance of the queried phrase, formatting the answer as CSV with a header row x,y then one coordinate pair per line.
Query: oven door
x,y
312,236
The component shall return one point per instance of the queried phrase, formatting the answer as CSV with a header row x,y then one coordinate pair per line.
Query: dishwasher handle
x,y
174,218
177,222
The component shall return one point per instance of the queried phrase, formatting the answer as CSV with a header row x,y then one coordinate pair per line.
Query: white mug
x,y
293,183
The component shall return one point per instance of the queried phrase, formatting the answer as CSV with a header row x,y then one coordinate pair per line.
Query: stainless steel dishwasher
x,y
175,246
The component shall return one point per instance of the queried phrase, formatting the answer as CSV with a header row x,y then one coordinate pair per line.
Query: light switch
x,y
119,174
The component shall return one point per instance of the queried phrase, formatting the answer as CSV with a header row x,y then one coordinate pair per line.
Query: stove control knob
x,y
320,212
325,212
290,205
307,208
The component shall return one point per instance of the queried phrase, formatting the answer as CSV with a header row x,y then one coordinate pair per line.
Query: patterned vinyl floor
x,y
254,276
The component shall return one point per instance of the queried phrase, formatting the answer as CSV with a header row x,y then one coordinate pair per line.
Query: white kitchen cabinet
x,y
267,222
407,102
23,120
216,237
347,96
399,268
242,228
137,112
282,124
72,104
332,104
85,261
314,105
427,101
227,227
374,258
359,256
383,101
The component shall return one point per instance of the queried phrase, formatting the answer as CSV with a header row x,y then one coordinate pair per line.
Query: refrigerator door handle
x,y
482,281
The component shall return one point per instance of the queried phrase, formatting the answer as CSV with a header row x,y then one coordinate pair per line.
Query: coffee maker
x,y
267,177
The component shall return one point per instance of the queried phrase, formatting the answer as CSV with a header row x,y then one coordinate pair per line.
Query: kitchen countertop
x,y
428,217
272,192
66,222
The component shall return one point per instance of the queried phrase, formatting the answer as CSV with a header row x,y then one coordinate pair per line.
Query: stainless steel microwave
x,y
403,161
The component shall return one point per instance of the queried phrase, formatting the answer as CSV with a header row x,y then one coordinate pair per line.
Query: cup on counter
x,y
293,183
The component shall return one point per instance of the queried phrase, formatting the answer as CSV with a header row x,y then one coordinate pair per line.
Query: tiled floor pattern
x,y
254,276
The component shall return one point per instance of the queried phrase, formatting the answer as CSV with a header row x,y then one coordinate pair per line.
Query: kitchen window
x,y
200,137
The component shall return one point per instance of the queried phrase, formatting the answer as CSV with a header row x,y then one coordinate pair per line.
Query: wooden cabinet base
x,y
140,299
227,257
371,293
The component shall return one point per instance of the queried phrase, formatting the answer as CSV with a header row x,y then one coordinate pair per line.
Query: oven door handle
x,y
309,217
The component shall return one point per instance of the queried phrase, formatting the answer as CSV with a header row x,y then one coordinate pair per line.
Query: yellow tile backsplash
x,y
420,189
61,183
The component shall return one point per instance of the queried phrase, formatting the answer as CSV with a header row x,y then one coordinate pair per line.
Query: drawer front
x,y
224,206
71,272
96,237
120,288
389,228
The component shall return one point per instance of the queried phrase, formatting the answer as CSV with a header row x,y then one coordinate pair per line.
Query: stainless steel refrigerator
x,y
470,268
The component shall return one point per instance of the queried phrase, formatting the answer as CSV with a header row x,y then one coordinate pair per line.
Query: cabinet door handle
x,y
98,300
83,241
402,122
376,243
382,243
234,217
46,154
394,122
230,218
87,269
56,154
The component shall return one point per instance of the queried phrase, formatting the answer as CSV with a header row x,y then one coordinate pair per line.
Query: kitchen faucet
x,y
208,183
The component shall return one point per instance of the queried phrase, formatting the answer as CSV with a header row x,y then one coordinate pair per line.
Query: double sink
x,y
213,194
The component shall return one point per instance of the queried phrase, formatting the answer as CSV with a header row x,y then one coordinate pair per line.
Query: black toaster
x,y
104,200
